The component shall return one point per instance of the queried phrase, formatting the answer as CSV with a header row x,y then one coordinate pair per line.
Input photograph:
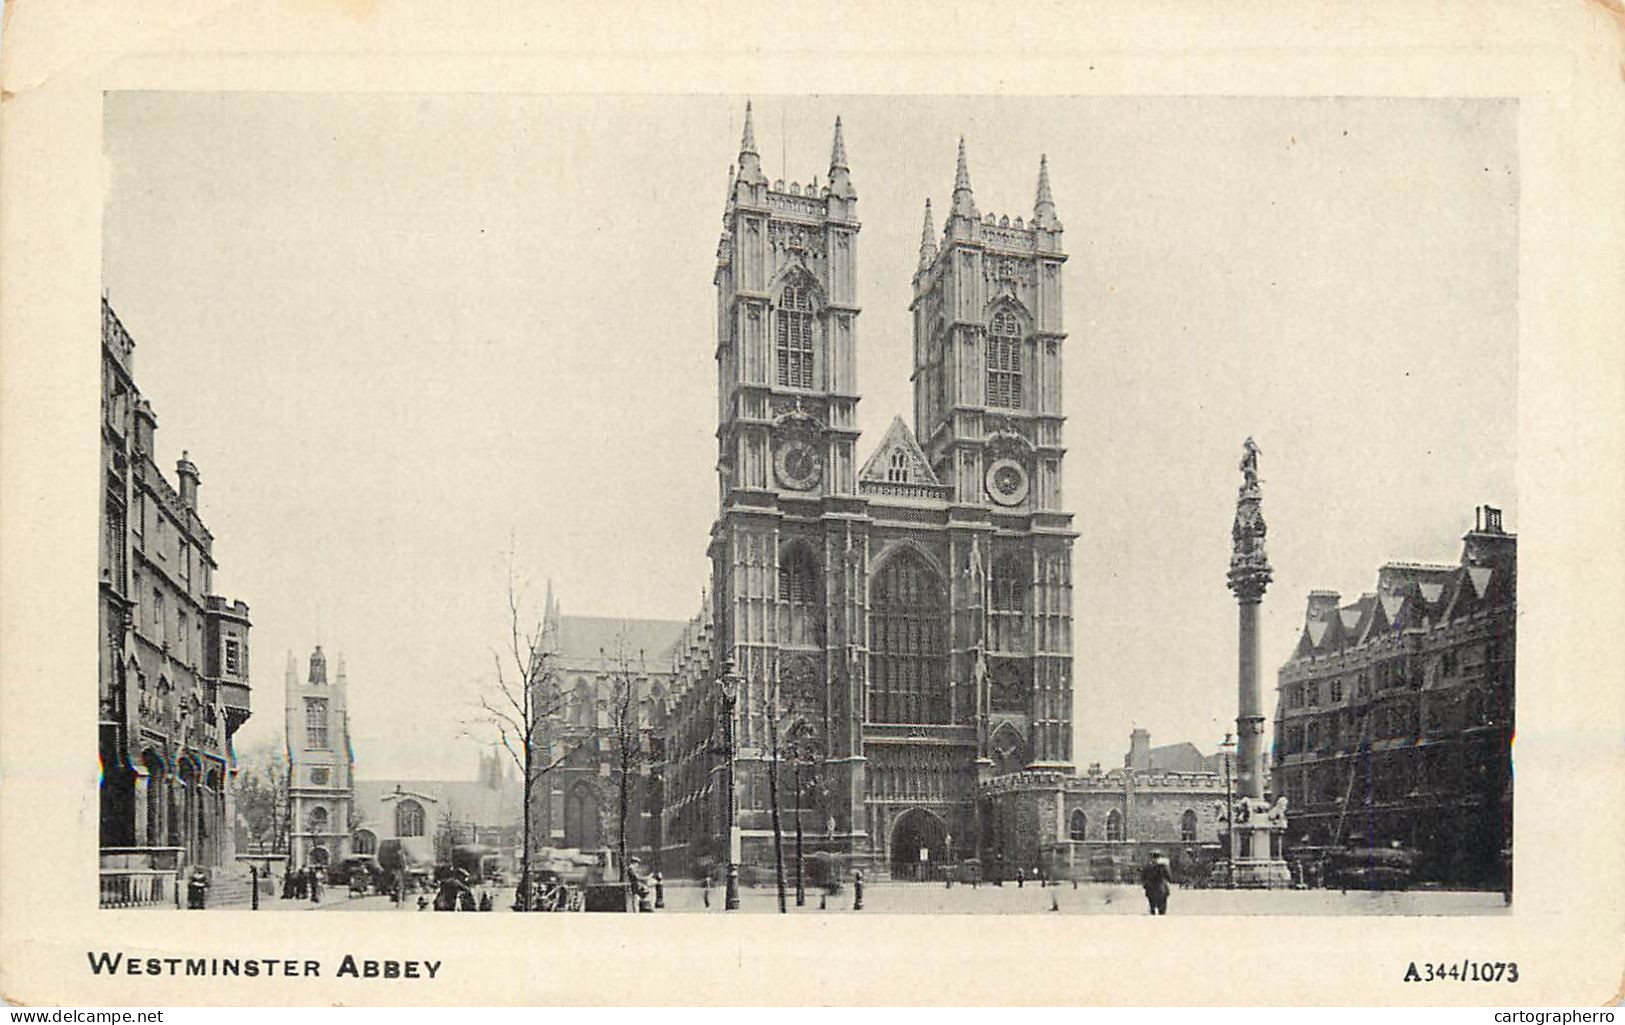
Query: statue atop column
x,y
1257,826
1249,566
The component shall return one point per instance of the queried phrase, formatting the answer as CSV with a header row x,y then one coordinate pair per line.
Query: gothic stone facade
x,y
609,684
901,628
173,670
1394,716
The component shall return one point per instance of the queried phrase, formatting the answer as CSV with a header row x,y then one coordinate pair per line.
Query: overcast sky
x,y
396,331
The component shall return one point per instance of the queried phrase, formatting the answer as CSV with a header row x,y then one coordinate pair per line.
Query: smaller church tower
x,y
320,764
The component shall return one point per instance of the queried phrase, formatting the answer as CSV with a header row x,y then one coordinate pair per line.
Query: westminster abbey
x,y
884,638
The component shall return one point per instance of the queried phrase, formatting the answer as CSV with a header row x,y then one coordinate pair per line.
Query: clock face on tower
x,y
1007,482
798,465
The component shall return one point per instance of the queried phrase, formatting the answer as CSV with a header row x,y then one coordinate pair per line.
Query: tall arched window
x,y
408,818
364,842
1008,750
1078,829
1004,360
1009,586
582,712
581,818
318,821
908,654
801,600
794,332
1114,826
1187,827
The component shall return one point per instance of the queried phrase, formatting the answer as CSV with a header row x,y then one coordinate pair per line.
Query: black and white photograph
x,y
809,504
762,506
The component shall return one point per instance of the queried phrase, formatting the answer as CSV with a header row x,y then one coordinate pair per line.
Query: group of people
x,y
301,883
453,893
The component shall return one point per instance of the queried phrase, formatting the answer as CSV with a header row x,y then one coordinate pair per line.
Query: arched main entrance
x,y
917,831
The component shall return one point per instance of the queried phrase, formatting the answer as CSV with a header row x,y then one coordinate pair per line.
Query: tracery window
x,y
316,722
1004,360
408,818
801,599
795,336
1114,826
1079,827
1187,827
908,653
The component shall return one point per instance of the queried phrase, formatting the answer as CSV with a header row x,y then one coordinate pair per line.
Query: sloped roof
x,y
1181,757
879,464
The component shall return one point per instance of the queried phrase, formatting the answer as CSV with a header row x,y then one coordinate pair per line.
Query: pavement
x,y
889,898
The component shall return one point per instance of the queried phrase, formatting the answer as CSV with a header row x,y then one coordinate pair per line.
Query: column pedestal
x,y
1255,847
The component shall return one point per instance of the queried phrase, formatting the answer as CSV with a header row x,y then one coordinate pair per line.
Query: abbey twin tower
x,y
895,634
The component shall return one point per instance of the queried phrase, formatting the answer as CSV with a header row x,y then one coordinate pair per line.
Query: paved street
x,y
1087,899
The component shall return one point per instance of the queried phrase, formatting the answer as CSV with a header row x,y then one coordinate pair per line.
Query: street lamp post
x,y
728,685
1228,745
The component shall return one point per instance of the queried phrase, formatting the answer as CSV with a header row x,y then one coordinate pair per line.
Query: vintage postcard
x,y
977,529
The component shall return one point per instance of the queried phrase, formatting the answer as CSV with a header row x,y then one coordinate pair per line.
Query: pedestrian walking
x,y
1021,877
315,886
705,889
857,890
1157,880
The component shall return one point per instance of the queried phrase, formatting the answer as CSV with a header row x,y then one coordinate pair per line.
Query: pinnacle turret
x,y
840,176
928,239
964,202
1044,204
750,162
747,144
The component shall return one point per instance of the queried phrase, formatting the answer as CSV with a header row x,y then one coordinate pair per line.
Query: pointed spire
x,y
964,202
1044,205
837,153
928,239
840,176
747,144
750,162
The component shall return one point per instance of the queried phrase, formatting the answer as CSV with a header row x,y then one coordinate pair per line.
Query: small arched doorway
x,y
919,845
319,856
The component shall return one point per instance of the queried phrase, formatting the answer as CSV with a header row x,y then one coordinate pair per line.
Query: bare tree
x,y
516,704
626,734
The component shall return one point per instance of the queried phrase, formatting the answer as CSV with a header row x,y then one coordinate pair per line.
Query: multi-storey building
x,y
174,671
1394,715
900,628
321,764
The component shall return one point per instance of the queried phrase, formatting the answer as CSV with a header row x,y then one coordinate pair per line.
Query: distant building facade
x,y
484,810
321,764
1103,825
610,682
174,668
1395,714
